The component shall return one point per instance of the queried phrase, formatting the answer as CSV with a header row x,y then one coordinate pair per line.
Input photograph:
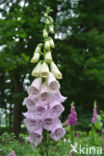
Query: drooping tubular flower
x,y
94,118
72,118
44,101
36,70
36,55
48,57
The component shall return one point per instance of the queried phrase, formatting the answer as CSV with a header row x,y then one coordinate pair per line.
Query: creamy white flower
x,y
50,19
35,57
53,84
37,50
52,45
40,45
44,69
47,21
35,86
44,94
51,29
55,71
47,45
48,57
45,33
36,70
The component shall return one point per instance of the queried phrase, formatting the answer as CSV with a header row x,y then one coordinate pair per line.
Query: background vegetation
x,y
79,53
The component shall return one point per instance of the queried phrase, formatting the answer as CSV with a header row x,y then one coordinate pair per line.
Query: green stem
x,y
72,136
93,134
47,143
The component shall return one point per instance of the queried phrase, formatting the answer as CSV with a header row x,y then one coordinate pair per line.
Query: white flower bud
x,y
47,21
52,45
48,57
40,45
55,71
45,14
44,70
50,19
45,34
36,70
51,29
35,57
37,50
47,45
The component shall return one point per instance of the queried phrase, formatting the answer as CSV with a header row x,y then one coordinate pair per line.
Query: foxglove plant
x,y
72,118
44,97
12,154
72,121
94,118
70,154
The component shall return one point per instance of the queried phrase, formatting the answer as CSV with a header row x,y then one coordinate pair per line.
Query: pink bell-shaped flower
x,y
55,108
36,136
32,125
53,84
58,131
35,87
48,123
40,111
60,97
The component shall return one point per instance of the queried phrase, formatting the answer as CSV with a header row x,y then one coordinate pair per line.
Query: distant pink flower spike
x,y
70,154
94,118
72,118
12,154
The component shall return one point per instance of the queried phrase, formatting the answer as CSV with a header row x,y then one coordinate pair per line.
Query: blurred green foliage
x,y
8,142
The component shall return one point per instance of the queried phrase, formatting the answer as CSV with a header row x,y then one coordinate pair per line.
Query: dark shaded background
x,y
79,53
